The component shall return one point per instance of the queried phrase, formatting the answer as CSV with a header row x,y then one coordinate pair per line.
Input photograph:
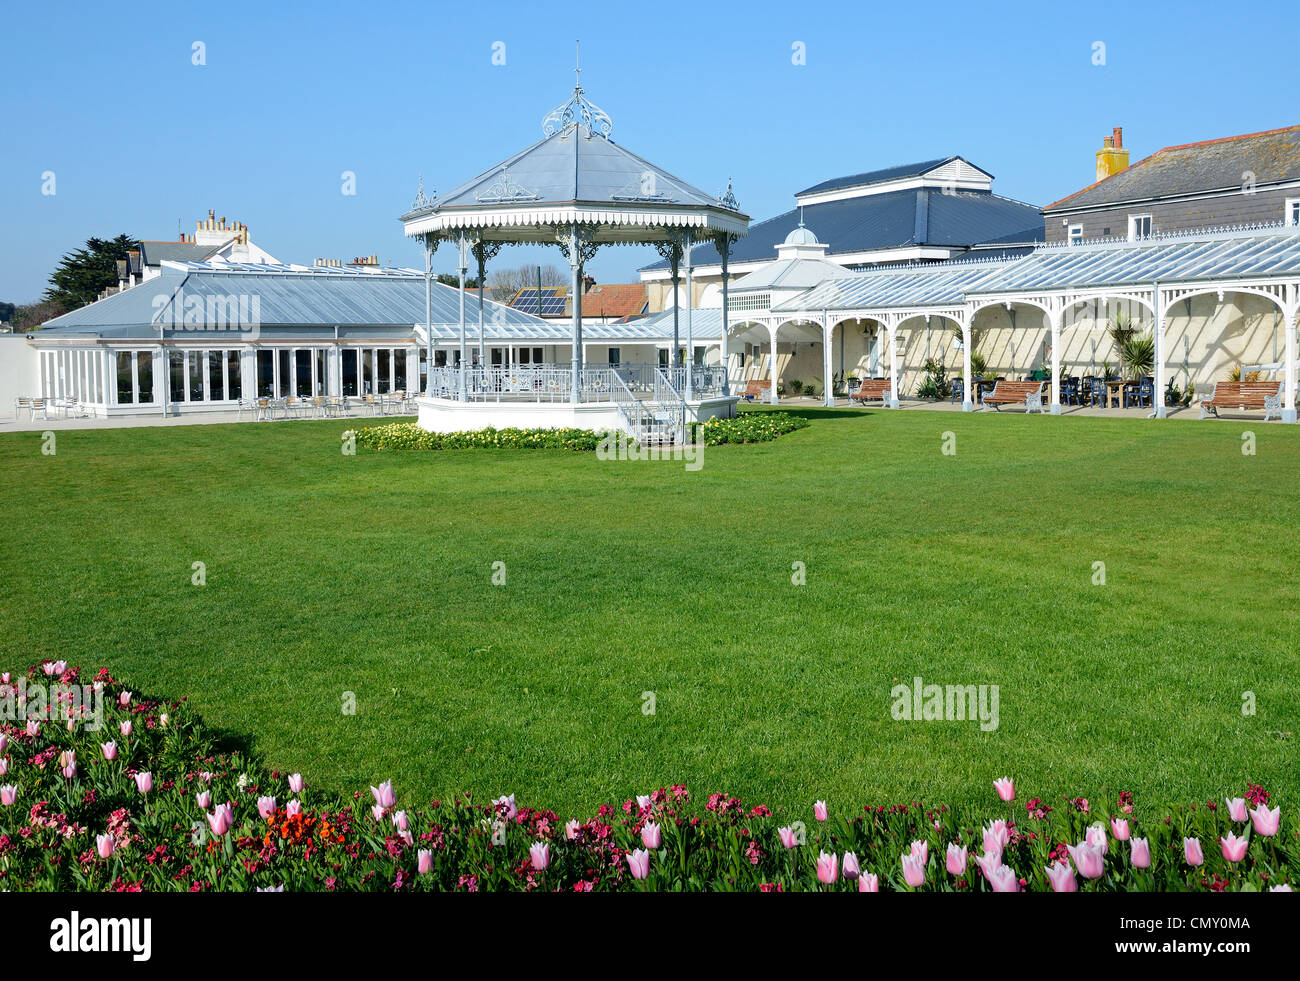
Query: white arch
x,y
711,297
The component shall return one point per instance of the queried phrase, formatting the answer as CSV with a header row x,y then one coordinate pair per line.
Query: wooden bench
x,y
873,389
1027,393
1266,395
756,391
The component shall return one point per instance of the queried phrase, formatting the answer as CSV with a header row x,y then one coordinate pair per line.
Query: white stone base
x,y
439,415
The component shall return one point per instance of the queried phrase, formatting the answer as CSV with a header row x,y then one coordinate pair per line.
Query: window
x,y
1076,234
399,370
216,376
266,374
615,356
234,381
1139,227
350,371
699,355
177,376
125,393
1292,212
195,361
144,375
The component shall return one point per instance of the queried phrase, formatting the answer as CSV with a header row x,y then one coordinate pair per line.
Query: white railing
x,y
706,380
522,383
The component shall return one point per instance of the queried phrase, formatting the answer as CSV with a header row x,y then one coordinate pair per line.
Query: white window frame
x,y
1133,221
1074,235
1291,216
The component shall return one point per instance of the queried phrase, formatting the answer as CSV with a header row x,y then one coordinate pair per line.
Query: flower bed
x,y
748,427
409,436
149,802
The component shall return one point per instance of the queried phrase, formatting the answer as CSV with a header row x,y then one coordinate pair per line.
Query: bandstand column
x,y
724,246
575,279
463,243
428,315
690,335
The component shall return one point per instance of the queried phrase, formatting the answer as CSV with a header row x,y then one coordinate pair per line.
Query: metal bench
x,y
1026,393
1266,395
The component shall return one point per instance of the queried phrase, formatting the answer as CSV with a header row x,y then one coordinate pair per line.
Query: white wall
x,y
19,371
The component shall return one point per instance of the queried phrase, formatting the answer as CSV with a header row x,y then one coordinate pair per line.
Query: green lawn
x,y
371,574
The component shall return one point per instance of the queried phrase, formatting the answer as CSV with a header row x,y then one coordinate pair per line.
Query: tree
x,y
6,312
31,315
505,283
84,273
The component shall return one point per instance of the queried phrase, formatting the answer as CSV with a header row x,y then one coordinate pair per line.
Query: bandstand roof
x,y
576,173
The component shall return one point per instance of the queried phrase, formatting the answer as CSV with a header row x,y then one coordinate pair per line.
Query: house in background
x,y
1237,180
923,212
214,240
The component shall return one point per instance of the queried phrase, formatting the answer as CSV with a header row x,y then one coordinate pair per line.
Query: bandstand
x,y
579,190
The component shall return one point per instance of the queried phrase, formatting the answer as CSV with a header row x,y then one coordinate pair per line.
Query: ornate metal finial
x,y
728,198
420,200
578,111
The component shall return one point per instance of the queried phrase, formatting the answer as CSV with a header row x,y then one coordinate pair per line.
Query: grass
x,y
371,574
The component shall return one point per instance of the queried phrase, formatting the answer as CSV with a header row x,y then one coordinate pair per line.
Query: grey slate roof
x,y
1194,167
892,220
574,166
320,298
898,172
155,253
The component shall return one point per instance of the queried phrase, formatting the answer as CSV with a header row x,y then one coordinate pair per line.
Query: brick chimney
x,y
1112,158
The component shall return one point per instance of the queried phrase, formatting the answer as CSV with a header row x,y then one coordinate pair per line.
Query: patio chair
x,y
1146,393
1096,391
262,410
1070,390
244,405
958,390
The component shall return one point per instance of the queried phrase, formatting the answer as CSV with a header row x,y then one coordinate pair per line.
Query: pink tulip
x,y
507,804
1237,809
125,728
104,845
266,807
868,882
956,859
48,667
293,808
204,800
639,863
828,868
407,837
426,861
1096,837
124,699
1119,828
109,749
788,837
1192,851
851,868
1061,877
377,812
921,850
571,829
4,743
540,853
1266,822
1003,879
651,836
221,818
33,728
988,862
1282,888
819,810
1006,788
295,783
4,765
8,794
384,796
144,782
996,836
1234,848
205,776
913,871
1088,859
642,803
1141,853
4,678
400,821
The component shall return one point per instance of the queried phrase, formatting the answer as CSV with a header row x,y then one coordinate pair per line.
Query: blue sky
x,y
291,96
